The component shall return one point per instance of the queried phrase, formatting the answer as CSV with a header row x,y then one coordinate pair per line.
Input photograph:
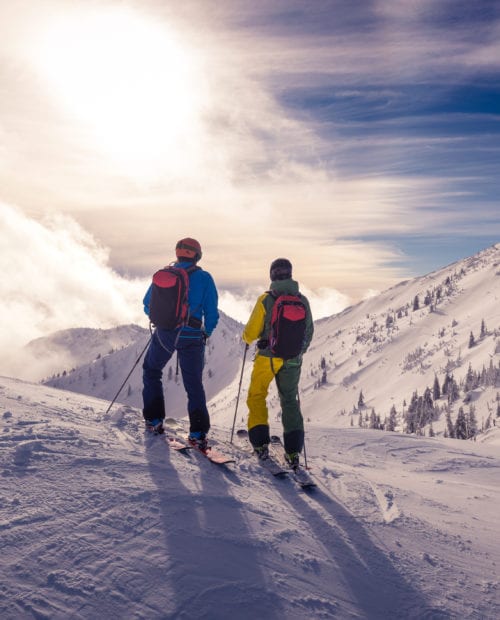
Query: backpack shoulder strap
x,y
189,269
276,294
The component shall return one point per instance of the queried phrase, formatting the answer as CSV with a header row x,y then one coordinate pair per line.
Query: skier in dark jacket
x,y
268,367
189,342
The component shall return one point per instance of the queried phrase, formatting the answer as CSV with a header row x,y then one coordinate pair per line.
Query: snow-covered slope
x,y
98,520
384,347
67,349
103,374
387,350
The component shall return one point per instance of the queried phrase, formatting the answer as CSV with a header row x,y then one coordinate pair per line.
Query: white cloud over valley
x,y
55,276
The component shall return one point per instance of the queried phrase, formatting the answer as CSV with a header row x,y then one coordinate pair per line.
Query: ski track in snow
x,y
98,519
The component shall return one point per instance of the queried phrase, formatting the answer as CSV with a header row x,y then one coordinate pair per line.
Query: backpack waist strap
x,y
194,322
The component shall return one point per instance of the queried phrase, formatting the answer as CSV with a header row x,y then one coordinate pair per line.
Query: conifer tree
x,y
361,400
483,329
469,379
472,340
412,415
453,391
446,383
449,425
391,424
461,425
471,423
436,390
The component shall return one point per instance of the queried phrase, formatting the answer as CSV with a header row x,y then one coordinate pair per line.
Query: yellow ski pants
x,y
287,375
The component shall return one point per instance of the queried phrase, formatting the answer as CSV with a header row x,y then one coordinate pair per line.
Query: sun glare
x,y
132,83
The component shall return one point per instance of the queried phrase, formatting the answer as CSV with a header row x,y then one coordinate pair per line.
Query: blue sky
x,y
359,139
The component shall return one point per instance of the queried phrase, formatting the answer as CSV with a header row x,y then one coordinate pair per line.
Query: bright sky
x,y
358,139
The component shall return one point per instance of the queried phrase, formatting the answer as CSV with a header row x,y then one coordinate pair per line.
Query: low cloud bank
x,y
55,276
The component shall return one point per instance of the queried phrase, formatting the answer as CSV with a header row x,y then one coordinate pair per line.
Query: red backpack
x,y
288,325
168,306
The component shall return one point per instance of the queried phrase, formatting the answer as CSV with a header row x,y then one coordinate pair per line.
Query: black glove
x,y
263,343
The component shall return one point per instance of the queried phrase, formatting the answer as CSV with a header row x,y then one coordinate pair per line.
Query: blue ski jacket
x,y
202,299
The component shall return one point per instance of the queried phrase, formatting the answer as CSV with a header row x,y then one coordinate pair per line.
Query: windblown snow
x,y
99,519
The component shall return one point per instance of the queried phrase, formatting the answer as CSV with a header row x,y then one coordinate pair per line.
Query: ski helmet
x,y
189,249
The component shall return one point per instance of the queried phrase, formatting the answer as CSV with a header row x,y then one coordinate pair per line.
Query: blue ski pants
x,y
191,355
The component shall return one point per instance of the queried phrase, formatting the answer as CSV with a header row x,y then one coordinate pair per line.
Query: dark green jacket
x,y
259,323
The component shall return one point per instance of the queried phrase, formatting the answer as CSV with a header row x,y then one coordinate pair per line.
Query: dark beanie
x,y
281,269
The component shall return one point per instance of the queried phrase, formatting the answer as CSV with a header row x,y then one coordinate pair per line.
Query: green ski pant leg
x,y
287,381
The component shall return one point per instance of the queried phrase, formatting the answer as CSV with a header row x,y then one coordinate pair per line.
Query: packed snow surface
x,y
100,520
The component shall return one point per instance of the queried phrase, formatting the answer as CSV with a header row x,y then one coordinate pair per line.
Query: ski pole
x,y
305,454
304,448
127,377
239,390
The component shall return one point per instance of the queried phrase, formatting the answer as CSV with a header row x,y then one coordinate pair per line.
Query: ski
x,y
172,441
175,444
273,467
214,456
299,474
303,478
269,464
180,444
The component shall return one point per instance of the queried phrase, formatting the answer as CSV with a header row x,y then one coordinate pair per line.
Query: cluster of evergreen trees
x,y
424,409
465,426
431,298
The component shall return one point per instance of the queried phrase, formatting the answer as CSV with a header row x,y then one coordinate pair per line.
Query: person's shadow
x,y
362,574
211,568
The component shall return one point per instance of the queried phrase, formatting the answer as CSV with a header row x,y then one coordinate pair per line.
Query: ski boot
x,y
198,440
155,426
292,460
262,452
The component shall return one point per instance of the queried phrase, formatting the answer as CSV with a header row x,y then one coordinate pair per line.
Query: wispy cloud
x,y
328,132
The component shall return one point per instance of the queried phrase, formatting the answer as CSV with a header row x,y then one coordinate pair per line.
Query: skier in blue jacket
x,y
189,342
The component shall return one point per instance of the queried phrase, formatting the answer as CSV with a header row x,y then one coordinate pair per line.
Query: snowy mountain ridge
x,y
400,341
391,348
103,374
99,519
